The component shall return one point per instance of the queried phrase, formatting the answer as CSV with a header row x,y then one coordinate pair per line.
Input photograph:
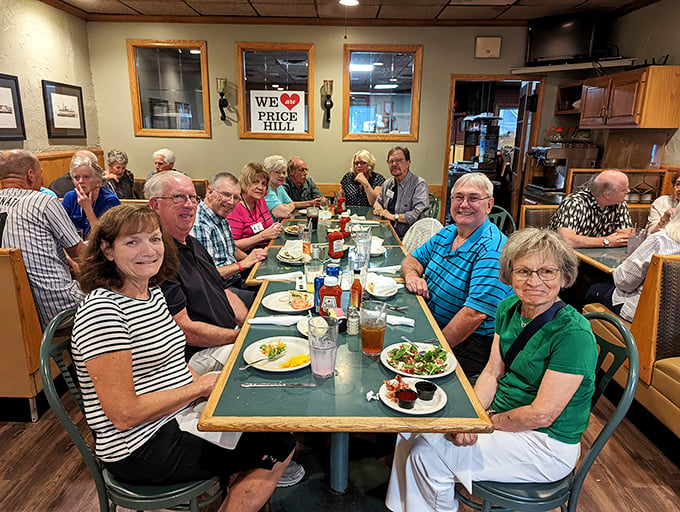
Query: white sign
x,y
277,111
7,118
65,111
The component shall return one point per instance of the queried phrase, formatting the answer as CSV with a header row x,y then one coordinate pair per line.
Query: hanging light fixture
x,y
349,3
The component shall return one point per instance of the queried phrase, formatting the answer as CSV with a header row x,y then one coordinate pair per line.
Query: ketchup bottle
x,y
329,295
335,242
340,206
344,220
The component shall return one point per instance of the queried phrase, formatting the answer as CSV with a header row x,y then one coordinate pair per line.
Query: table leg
x,y
339,461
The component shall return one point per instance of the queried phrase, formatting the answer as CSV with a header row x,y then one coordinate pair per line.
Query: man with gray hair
x,y
596,215
163,160
301,189
456,272
37,224
212,230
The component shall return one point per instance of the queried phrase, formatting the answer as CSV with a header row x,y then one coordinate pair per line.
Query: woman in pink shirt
x,y
250,221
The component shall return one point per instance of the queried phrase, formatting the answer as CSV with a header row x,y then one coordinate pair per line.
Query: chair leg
x,y
193,505
486,506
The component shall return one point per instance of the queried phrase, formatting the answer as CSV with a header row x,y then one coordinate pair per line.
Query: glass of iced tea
x,y
373,322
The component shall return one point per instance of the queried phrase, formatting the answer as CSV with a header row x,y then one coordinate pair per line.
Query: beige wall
x,y
446,51
38,42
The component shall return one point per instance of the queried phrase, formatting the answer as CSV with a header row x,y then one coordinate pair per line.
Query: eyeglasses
x,y
181,198
227,195
360,163
544,274
396,161
471,200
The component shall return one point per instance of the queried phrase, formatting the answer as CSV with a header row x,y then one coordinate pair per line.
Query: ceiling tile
x,y
412,12
527,12
161,8
221,8
102,7
336,11
470,13
291,9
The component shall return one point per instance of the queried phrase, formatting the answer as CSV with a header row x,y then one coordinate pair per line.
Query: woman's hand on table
x,y
418,285
272,231
462,439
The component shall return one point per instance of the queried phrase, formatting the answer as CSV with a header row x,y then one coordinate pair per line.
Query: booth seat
x,y
656,329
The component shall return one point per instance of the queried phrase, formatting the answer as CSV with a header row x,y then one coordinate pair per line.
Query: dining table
x,y
601,258
345,402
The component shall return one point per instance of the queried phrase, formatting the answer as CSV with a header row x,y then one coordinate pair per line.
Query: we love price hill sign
x,y
277,111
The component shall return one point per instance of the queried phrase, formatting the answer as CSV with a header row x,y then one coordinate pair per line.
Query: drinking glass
x,y
323,345
313,215
373,323
312,269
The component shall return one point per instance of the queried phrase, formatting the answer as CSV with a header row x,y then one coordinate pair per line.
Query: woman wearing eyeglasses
x,y
537,387
361,185
278,201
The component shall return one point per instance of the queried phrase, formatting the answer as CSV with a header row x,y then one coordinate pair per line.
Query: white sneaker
x,y
291,475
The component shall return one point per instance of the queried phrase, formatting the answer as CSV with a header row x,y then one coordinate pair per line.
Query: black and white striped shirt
x,y
37,224
108,322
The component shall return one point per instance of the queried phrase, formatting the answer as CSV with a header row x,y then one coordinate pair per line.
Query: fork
x,y
398,309
278,356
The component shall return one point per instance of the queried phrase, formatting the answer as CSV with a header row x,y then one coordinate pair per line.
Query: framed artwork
x,y
64,112
11,115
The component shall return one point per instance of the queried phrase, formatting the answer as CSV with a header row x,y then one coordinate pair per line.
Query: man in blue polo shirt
x,y
456,271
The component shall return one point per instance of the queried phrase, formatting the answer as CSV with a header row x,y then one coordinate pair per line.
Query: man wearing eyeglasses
x,y
212,230
301,189
456,272
404,197
208,314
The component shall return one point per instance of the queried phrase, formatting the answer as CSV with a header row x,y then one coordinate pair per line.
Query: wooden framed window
x,y
275,90
169,88
381,92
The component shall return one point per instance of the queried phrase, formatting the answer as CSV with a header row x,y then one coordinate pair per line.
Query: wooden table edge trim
x,y
594,263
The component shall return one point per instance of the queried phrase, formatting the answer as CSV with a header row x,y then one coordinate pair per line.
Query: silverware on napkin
x,y
277,385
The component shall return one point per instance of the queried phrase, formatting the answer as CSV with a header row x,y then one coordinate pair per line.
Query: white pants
x,y
426,466
210,359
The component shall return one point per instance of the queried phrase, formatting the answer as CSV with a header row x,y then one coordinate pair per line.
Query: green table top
x,y
337,403
383,230
604,259
366,211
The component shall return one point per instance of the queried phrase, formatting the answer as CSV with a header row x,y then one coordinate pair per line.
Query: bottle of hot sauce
x,y
329,295
335,242
356,290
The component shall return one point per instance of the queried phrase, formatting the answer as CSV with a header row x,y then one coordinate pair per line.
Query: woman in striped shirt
x,y
129,357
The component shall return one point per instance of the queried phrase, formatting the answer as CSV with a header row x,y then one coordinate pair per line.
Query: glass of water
x,y
323,345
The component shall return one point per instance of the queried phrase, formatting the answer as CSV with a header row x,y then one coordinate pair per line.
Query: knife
x,y
277,385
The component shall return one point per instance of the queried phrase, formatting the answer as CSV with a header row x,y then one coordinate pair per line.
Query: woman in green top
x,y
539,405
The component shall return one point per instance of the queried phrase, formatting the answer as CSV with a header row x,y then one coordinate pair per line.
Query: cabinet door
x,y
594,103
625,99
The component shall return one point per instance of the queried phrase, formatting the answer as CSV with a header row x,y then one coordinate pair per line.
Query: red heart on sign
x,y
290,101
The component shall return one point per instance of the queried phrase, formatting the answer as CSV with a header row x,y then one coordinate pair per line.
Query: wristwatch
x,y
605,242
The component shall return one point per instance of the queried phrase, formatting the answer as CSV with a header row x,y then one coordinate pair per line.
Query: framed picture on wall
x,y
11,115
64,112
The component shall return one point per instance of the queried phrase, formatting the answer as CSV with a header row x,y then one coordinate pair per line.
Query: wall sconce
x,y
327,91
222,102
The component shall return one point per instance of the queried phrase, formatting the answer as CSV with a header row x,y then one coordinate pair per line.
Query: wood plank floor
x,y
41,470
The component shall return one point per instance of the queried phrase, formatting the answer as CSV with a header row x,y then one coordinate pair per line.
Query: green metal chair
x,y
112,493
564,493
433,209
502,218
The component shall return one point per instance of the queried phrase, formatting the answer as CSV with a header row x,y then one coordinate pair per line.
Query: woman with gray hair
x,y
537,387
622,297
118,178
361,185
278,201
89,200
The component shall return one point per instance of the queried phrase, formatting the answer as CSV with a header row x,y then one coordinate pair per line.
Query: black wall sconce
x,y
327,92
222,102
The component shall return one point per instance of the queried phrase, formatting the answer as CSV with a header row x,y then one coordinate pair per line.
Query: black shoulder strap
x,y
526,334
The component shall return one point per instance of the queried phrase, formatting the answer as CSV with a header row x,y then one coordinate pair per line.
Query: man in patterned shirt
x,y
596,215
212,230
37,224
301,189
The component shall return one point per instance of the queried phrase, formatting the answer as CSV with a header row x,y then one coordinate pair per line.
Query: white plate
x,y
451,362
304,259
292,230
421,406
303,326
294,347
387,295
279,302
379,251
302,211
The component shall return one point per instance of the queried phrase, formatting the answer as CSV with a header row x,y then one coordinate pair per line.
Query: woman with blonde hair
x,y
250,221
622,297
362,184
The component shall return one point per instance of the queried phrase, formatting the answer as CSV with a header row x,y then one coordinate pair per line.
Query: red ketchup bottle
x,y
329,295
335,242
344,220
340,206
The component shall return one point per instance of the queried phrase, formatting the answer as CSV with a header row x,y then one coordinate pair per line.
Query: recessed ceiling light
x,y
349,3
195,51
394,80
361,67
386,86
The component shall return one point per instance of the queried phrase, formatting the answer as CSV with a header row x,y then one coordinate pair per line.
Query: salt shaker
x,y
353,321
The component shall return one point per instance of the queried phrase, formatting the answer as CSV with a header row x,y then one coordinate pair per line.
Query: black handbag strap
x,y
531,328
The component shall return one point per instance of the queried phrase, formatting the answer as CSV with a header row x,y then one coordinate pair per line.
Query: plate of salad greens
x,y
427,361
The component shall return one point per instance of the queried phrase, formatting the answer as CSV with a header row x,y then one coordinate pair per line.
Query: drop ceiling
x,y
329,12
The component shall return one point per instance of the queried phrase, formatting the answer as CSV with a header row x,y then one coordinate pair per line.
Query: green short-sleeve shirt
x,y
566,344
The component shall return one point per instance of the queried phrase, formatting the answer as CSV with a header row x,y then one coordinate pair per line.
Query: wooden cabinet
x,y
567,95
642,98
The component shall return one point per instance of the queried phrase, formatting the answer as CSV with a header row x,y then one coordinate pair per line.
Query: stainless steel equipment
x,y
551,163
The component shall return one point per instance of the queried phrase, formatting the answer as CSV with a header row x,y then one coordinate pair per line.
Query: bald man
x,y
596,215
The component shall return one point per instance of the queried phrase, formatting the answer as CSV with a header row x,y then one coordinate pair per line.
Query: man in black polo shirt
x,y
208,314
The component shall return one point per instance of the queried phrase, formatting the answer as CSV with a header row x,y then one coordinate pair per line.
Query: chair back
x,y
639,213
201,187
433,209
138,187
419,233
536,215
502,219
614,356
60,354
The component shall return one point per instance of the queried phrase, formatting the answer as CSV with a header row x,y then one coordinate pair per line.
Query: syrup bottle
x,y
356,290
